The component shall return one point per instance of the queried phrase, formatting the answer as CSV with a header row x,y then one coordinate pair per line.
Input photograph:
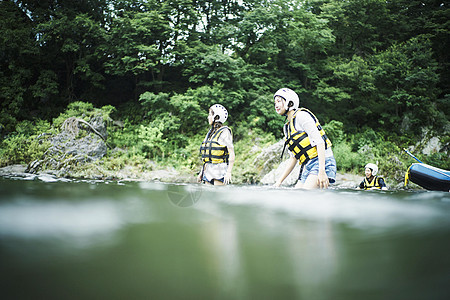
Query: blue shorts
x,y
312,168
212,180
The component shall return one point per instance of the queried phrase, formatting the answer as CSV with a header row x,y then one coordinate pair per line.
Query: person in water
x,y
372,181
307,143
217,149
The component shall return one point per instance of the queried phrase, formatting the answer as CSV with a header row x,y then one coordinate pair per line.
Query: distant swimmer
x,y
372,181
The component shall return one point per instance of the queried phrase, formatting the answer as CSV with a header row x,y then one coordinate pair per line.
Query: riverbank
x,y
129,173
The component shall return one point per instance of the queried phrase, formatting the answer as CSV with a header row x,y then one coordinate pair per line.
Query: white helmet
x,y
373,167
221,111
291,98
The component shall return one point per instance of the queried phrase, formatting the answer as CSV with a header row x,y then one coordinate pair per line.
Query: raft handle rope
x,y
410,154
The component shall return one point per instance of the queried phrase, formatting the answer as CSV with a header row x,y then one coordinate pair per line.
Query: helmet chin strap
x,y
290,104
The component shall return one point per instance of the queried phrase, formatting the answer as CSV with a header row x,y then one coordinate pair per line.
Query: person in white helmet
x,y
372,181
307,143
217,149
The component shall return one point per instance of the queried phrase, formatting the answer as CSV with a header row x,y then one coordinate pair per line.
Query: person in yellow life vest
x,y
307,143
217,149
372,181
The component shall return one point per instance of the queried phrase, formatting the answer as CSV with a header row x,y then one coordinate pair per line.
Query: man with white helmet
x,y
217,149
372,181
307,143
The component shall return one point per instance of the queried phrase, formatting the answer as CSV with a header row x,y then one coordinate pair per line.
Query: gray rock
x,y
271,177
68,150
433,145
13,169
99,124
273,165
270,158
430,142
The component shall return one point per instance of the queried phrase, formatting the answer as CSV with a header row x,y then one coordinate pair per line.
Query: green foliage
x,y
173,113
140,140
123,137
335,131
26,145
439,160
247,168
17,64
151,142
263,115
364,63
346,160
377,75
85,111
189,156
406,79
46,85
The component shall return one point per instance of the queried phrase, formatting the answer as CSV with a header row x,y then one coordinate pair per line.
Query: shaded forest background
x,y
374,72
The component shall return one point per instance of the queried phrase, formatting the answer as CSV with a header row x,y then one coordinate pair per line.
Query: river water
x,y
81,239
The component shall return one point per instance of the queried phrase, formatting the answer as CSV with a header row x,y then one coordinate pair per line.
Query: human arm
x,y
199,177
361,186
308,123
227,178
226,138
322,178
287,171
382,184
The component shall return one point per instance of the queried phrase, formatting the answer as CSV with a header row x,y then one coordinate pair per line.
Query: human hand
x,y
322,180
227,178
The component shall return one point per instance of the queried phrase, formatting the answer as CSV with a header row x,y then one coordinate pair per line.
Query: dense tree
x,y
382,64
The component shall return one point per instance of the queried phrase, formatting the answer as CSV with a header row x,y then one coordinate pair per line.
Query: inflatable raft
x,y
428,177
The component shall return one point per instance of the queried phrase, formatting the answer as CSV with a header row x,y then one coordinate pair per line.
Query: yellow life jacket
x,y
298,141
373,184
212,151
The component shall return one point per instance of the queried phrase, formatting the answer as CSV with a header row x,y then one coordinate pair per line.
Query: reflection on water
x,y
121,240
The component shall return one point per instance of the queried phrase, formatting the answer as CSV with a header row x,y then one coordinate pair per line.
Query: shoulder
x,y
226,130
304,115
226,136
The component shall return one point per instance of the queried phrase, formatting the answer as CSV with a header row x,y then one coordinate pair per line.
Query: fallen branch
x,y
71,125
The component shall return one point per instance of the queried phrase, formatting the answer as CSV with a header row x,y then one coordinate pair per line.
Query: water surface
x,y
75,239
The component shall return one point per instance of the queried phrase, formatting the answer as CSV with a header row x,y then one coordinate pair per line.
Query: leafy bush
x,y
85,111
246,168
335,131
346,160
438,159
26,144
22,149
151,143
